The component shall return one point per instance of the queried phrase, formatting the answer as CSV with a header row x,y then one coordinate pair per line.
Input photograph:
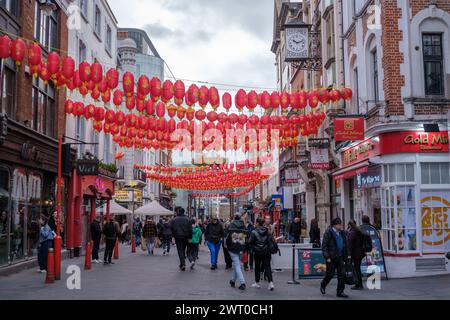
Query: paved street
x,y
141,277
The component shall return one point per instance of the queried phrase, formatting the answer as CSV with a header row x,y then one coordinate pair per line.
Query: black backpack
x,y
367,242
110,230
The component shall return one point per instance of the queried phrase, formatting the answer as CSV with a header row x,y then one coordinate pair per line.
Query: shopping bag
x,y
157,243
244,258
349,274
143,244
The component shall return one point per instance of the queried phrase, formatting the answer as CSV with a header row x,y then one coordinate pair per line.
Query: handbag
x,y
157,243
143,244
244,258
349,274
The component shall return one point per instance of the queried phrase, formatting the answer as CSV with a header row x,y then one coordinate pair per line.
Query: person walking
x,y
248,250
111,231
166,236
194,243
137,230
259,242
236,241
46,236
295,230
334,249
226,253
150,233
182,232
356,252
96,236
213,236
314,234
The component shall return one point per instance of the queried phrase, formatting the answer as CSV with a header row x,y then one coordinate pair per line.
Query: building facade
x,y
32,118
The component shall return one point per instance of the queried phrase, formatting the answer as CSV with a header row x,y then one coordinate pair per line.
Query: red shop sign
x,y
349,129
362,151
414,142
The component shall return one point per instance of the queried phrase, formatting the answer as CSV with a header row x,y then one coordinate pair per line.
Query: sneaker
x,y
183,268
323,290
357,288
271,286
232,284
342,295
256,285
164,252
242,287
105,262
111,262
43,271
38,270
192,265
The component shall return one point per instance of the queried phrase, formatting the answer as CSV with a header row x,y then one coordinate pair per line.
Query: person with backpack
x,y
111,231
263,245
137,229
182,232
236,241
355,240
166,236
213,236
96,236
194,243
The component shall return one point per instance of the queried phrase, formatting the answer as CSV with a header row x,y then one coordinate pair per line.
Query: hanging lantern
x,y
131,120
68,67
190,114
155,89
96,72
233,118
89,112
346,93
160,109
212,116
117,98
294,101
150,107
168,90
265,100
313,99
241,99
69,107
203,96
302,99
242,120
275,100
143,86
214,98
85,71
252,102
253,120
110,116
172,110
335,95
285,100
130,102
140,105
179,89
181,113
44,74
119,118
227,101
99,114
95,94
112,78
193,94
34,54
83,90
323,95
200,115
5,47
128,84
18,49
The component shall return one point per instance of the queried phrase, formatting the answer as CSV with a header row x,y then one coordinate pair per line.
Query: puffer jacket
x,y
181,228
259,240
214,232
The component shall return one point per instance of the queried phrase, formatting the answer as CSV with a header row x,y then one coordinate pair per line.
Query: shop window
x,y
108,39
435,173
82,51
433,64
4,216
402,172
435,206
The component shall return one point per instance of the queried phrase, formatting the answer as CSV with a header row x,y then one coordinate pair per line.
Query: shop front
x,y
401,180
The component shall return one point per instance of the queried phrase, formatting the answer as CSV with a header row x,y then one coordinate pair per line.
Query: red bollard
x,y
87,258
133,244
57,243
116,250
50,278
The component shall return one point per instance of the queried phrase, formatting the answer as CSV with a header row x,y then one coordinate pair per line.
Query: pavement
x,y
142,277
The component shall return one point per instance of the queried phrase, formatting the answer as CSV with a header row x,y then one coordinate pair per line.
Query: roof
x,y
146,38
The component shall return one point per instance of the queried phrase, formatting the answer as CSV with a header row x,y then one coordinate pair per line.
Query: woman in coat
x,y
314,234
356,251
213,236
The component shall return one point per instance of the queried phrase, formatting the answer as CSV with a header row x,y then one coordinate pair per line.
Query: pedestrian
x,y
268,224
248,250
96,236
182,232
203,228
137,230
226,253
150,233
213,236
46,236
314,234
366,220
124,232
295,229
356,251
259,242
235,242
194,243
334,248
166,236
111,231
52,221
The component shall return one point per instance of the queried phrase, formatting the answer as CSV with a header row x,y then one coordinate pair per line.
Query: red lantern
x,y
95,94
119,118
253,120
275,100
252,102
172,110
128,84
85,72
323,95
34,54
140,105
193,93
69,106
143,86
89,112
131,120
99,114
112,78
242,120
44,74
181,113
83,90
203,96
265,100
227,101
168,90
68,67
110,116
190,114
150,107
241,99
346,93
302,100
96,72
233,118
200,115
214,98
285,100
294,100
155,91
313,99
130,102
179,89
118,98
212,116
5,47
335,95
160,109
18,49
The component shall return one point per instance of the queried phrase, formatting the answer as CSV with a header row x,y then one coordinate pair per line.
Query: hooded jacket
x,y
236,236
259,240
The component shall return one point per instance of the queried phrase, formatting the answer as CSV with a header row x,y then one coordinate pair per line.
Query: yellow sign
x,y
435,222
127,196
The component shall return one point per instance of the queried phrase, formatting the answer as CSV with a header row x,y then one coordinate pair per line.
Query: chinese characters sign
x,y
362,151
349,129
435,221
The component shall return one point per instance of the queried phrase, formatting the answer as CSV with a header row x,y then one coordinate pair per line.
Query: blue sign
x,y
278,200
370,179
376,257
311,263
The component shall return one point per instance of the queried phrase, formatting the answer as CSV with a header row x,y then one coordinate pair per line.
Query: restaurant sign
x,y
349,129
362,151
414,142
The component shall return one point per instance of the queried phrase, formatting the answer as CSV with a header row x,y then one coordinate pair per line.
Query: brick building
x,y
32,117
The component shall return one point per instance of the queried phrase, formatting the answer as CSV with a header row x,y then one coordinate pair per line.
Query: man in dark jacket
x,y
213,236
295,230
112,231
182,232
96,236
335,252
236,242
259,243
166,236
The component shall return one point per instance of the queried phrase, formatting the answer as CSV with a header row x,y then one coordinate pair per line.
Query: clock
x,y
297,44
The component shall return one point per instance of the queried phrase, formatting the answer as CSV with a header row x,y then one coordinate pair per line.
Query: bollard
x,y
133,244
57,243
50,277
293,281
116,250
87,258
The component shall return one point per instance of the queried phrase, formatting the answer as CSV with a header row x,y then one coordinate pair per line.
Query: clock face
x,y
296,42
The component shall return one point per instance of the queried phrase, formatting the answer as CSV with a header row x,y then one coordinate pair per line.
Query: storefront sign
x,y
370,179
277,201
311,263
435,221
362,151
414,142
319,159
376,257
31,153
87,167
127,196
292,175
349,129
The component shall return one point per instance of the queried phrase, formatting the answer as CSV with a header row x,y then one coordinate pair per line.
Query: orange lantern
x,y
190,114
181,113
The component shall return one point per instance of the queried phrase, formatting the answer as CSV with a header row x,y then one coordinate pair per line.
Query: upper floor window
x,y
330,35
8,91
12,6
82,52
98,21
46,28
43,108
108,39
433,64
376,89
435,173
84,8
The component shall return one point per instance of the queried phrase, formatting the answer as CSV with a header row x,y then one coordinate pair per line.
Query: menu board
x,y
311,263
376,257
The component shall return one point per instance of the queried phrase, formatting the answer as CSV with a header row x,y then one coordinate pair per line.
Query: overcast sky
x,y
225,41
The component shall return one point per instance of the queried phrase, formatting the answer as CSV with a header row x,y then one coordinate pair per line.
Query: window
x,y
330,36
84,8
107,158
82,52
356,86
46,28
435,173
394,173
433,64
12,6
43,108
81,135
8,92
108,39
95,140
98,22
376,93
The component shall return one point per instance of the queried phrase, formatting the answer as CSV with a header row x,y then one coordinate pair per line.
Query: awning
x,y
351,171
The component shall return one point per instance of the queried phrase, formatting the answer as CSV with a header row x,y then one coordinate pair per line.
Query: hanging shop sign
x,y
362,151
414,142
125,196
369,179
311,263
278,201
87,167
319,154
374,261
292,175
349,129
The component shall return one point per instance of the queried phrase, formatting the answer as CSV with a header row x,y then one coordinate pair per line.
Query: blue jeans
x,y
237,270
150,244
214,248
138,239
43,253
